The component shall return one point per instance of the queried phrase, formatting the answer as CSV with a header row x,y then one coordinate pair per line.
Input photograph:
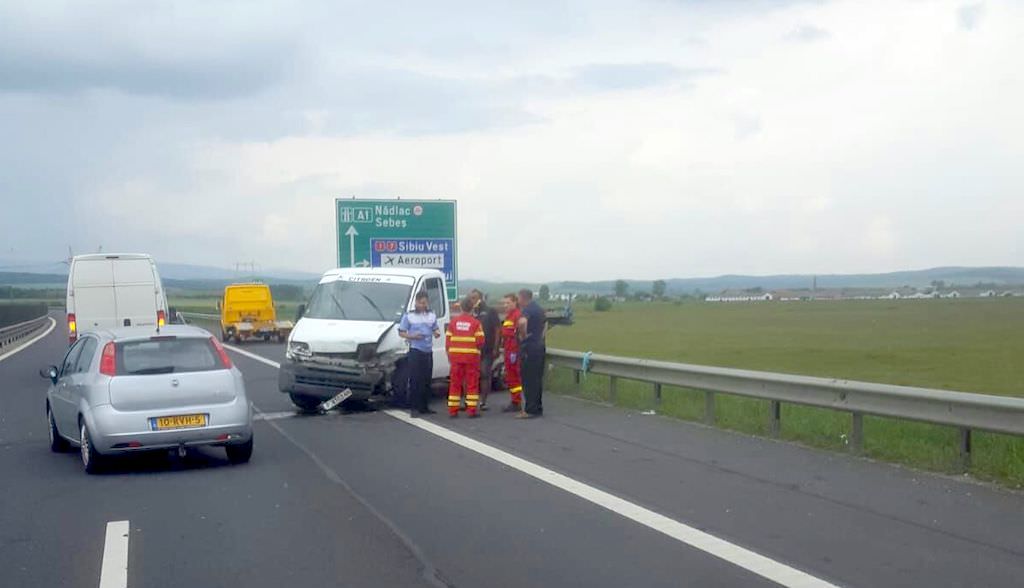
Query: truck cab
x,y
347,335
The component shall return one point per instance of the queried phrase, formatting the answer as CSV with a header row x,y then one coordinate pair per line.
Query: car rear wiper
x,y
168,369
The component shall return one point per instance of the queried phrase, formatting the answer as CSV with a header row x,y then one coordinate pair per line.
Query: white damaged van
x,y
347,336
112,290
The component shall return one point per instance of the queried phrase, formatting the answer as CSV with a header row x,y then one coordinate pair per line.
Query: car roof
x,y
136,333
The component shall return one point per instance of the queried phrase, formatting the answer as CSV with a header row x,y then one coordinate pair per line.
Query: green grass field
x,y
967,345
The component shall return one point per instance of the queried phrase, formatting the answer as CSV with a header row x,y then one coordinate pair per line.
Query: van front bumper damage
x,y
325,378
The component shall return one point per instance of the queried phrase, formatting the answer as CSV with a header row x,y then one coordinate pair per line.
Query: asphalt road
x,y
366,499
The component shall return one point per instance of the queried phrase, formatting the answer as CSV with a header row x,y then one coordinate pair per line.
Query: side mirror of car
x,y
50,372
301,311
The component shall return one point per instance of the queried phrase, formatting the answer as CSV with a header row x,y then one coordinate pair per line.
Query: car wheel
x,y
241,453
58,444
92,461
306,403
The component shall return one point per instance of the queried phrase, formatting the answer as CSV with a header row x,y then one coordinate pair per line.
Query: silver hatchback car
x,y
139,389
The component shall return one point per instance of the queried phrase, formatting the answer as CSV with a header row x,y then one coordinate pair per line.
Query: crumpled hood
x,y
338,336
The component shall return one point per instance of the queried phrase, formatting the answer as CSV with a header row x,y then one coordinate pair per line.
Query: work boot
x,y
453,414
513,407
472,413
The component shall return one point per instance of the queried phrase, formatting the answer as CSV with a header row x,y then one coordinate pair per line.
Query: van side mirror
x,y
218,305
299,312
50,373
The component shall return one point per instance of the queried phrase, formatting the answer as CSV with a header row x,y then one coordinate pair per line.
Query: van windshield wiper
x,y
334,299
374,305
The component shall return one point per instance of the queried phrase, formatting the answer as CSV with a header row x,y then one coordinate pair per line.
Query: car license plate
x,y
331,403
185,421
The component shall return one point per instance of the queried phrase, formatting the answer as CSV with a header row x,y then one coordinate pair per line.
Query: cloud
x,y
806,34
969,15
631,76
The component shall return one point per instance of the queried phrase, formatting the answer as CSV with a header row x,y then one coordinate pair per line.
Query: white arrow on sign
x,y
351,234
363,263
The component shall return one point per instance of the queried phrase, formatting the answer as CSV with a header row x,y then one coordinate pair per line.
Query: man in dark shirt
x,y
533,330
488,318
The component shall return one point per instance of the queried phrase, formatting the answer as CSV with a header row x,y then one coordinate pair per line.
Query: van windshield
x,y
359,301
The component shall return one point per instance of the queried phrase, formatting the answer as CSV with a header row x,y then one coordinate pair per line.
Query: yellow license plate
x,y
185,421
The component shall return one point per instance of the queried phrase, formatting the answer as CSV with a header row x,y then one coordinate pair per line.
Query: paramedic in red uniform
x,y
510,343
465,338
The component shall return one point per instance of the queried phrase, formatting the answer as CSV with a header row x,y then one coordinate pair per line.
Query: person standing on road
x,y
533,333
510,343
465,338
491,324
418,328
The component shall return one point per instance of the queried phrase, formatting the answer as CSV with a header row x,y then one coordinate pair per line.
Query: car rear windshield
x,y
166,356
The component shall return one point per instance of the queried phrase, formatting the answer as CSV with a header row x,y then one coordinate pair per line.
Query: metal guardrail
x,y
967,411
12,334
200,316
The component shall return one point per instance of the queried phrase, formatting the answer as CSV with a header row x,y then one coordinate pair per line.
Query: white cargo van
x,y
114,290
347,336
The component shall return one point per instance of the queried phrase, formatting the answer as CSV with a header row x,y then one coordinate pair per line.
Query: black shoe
x,y
428,411
511,408
413,414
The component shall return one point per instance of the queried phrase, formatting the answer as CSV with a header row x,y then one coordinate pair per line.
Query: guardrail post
x,y
576,381
657,395
857,434
709,407
776,418
613,388
965,450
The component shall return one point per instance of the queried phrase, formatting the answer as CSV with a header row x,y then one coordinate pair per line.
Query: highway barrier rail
x,y
966,411
11,334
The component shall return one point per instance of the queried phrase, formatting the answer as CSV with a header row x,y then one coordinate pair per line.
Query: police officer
x,y
418,328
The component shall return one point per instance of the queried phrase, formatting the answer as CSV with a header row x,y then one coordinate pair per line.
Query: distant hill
x,y
204,278
960,276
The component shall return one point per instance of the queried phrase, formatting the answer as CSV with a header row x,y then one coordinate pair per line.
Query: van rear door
x,y
92,283
135,291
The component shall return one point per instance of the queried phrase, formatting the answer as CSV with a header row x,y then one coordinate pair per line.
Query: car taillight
x,y
161,318
108,361
72,328
224,359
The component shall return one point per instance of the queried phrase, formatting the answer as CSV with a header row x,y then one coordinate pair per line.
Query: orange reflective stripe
x,y
461,350
462,339
516,389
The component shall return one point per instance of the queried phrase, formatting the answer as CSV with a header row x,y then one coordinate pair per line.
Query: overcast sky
x,y
583,140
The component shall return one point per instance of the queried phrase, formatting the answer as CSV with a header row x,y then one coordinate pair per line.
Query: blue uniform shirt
x,y
420,323
535,320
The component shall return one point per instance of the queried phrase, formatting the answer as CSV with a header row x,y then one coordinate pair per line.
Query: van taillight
x,y
108,361
72,328
224,359
161,318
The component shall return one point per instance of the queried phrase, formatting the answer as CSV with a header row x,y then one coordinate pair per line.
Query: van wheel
x,y
241,453
225,337
306,403
92,461
58,444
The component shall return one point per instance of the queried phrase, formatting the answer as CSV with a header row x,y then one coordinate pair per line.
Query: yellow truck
x,y
247,312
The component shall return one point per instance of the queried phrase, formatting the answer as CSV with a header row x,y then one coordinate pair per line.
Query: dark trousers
x,y
534,357
421,368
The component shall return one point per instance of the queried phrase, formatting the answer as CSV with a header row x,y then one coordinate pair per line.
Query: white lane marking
x,y
753,562
273,416
26,344
250,355
114,573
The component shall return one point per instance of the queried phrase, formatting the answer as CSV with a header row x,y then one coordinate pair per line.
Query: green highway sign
x,y
399,233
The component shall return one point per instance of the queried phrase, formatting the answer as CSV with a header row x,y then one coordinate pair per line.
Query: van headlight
x,y
298,350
